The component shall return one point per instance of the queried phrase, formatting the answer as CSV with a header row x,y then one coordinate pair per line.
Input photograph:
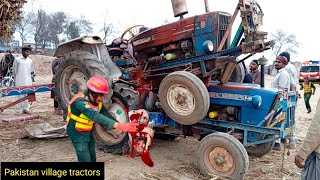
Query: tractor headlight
x,y
208,46
256,101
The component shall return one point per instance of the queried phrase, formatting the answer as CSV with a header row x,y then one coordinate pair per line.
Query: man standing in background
x,y
21,70
294,83
54,67
309,89
291,69
282,82
254,71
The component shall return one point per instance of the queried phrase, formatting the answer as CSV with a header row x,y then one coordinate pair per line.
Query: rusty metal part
x,y
10,13
29,97
22,118
226,34
228,71
254,38
206,4
179,8
221,160
45,130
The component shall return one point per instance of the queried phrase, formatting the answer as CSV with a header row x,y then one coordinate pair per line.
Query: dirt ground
x,y
173,160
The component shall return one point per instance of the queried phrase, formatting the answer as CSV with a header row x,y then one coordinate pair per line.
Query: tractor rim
x,y
219,160
181,100
72,77
114,136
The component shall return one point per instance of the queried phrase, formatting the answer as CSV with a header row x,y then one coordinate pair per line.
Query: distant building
x,y
32,45
15,45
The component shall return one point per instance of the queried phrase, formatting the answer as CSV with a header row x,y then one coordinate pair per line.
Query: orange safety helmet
x,y
98,84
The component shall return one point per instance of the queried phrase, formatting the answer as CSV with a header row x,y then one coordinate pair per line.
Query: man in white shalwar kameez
x,y
21,69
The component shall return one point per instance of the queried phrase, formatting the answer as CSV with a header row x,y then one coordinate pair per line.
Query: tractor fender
x,y
93,45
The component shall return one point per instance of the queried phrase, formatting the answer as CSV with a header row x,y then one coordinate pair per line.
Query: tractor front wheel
x,y
238,73
184,97
223,155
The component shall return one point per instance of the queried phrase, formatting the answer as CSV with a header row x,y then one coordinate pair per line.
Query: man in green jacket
x,y
84,111
309,89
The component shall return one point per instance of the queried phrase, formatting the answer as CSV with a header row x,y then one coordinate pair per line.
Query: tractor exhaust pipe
x,y
179,8
262,61
206,5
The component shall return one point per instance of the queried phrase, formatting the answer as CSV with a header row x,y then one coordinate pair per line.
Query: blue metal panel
x,y
272,131
124,62
203,34
236,94
251,118
159,118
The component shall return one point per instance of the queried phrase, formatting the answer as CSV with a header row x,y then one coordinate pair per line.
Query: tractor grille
x,y
224,20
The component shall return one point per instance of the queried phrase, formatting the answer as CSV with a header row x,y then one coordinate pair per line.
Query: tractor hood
x,y
94,45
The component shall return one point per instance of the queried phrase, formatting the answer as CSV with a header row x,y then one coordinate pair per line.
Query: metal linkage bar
x,y
15,91
29,97
29,91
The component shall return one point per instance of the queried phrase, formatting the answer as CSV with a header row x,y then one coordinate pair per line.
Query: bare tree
x,y
24,27
107,29
39,26
57,22
284,42
5,39
85,26
72,30
78,27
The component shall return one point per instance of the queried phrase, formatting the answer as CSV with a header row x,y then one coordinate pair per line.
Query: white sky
x,y
294,17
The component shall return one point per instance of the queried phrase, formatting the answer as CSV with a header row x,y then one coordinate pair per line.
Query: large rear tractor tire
x,y
238,73
260,150
184,97
223,155
73,73
128,93
114,141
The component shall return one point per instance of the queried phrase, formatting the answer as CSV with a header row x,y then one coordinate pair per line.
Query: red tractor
x,y
198,46
167,69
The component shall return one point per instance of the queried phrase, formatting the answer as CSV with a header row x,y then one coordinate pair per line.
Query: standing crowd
x,y
286,79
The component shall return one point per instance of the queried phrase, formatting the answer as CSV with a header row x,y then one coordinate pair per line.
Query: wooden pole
x,y
22,118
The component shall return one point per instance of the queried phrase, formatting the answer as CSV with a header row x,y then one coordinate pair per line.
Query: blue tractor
x,y
188,74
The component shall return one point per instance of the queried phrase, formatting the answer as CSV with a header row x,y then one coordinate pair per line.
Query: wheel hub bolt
x,y
219,160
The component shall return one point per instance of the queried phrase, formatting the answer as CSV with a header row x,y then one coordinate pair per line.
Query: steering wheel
x,y
131,32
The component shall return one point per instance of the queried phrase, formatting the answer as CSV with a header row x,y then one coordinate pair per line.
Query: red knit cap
x,y
283,59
